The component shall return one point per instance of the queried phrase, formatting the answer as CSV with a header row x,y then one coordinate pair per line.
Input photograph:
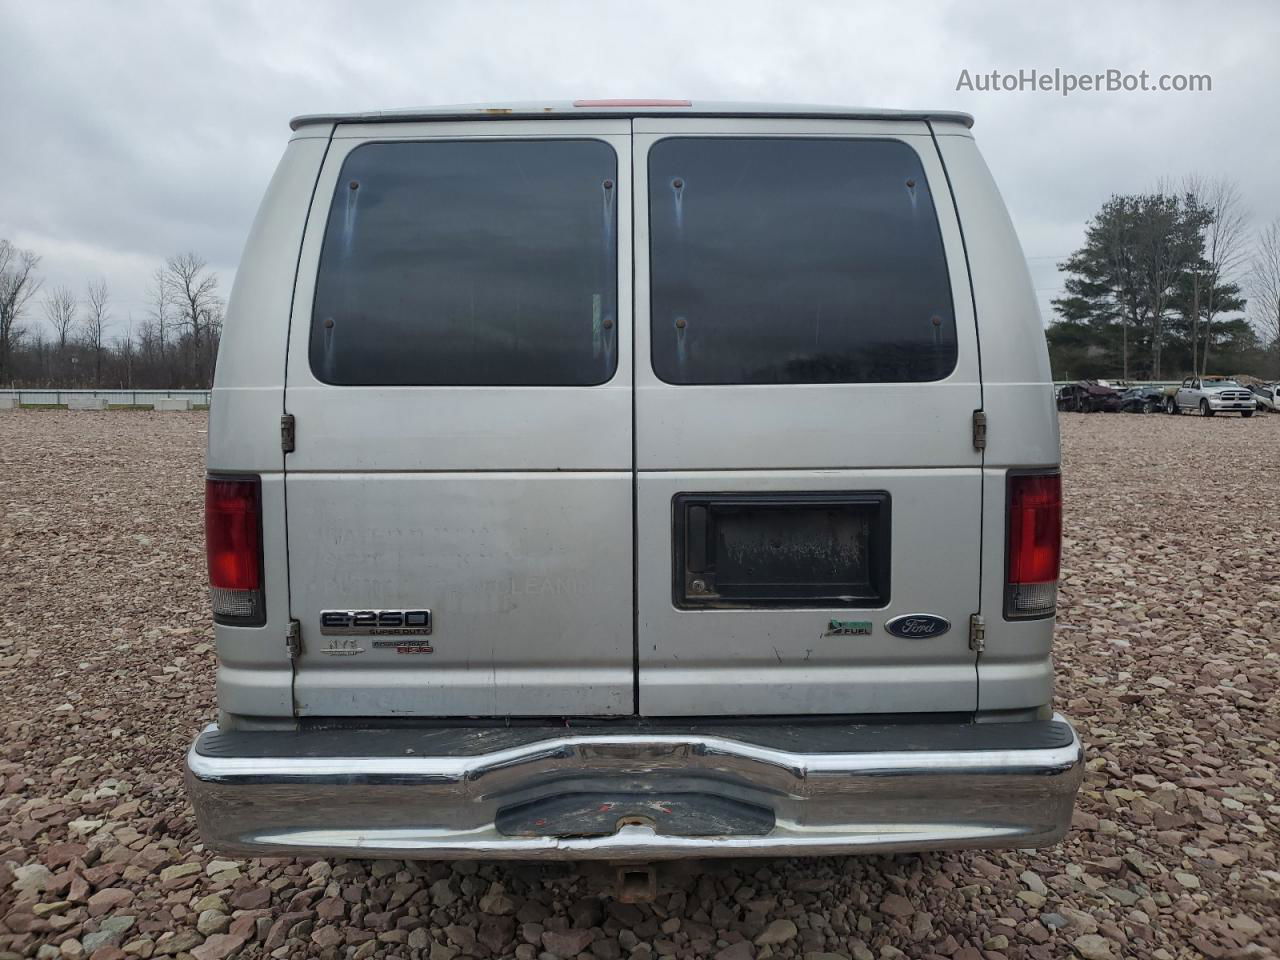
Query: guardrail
x,y
56,396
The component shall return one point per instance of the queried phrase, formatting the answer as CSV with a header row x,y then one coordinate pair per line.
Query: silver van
x,y
633,480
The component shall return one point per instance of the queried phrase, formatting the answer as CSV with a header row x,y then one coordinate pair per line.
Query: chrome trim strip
x,y
589,748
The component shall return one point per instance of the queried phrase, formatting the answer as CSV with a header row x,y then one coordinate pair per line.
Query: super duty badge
x,y
375,623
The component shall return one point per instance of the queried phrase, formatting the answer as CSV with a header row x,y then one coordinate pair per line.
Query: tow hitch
x,y
635,883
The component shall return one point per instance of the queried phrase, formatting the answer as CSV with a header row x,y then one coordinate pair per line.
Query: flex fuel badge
x,y
405,646
848,628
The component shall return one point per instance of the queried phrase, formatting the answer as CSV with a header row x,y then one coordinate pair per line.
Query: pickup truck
x,y
1212,395
1266,396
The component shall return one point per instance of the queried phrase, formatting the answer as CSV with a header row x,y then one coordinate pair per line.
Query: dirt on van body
x,y
1169,655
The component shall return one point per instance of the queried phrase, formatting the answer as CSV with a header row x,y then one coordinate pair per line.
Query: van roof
x,y
628,108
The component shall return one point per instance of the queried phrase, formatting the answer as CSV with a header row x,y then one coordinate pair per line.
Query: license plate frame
x,y
788,550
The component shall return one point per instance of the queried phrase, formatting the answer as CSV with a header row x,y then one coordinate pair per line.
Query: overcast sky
x,y
132,131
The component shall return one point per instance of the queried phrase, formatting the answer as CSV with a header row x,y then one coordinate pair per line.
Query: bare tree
x,y
161,307
18,284
192,290
125,351
1225,254
1264,287
95,325
60,311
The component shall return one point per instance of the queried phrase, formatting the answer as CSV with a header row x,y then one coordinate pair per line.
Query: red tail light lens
x,y
1034,548
233,540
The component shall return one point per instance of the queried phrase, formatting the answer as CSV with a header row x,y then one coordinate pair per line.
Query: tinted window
x,y
796,261
470,263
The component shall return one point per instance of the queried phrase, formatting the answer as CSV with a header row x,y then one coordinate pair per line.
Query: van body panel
x,y
425,428
1016,668
504,510
912,440
1016,381
792,661
672,124
523,622
809,425
248,384
384,429
507,129
503,115
255,674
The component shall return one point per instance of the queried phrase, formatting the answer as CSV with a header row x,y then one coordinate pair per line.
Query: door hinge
x,y
293,639
288,433
979,430
977,633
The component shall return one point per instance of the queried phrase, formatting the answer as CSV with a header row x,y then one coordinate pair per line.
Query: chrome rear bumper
x,y
450,794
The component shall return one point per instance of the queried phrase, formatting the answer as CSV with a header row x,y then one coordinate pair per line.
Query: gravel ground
x,y
1169,653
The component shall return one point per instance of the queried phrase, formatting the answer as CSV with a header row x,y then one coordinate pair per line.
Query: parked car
x,y
1089,396
1142,400
1266,396
1212,395
624,522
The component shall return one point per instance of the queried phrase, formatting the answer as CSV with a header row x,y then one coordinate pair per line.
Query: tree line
x,y
84,342
1167,284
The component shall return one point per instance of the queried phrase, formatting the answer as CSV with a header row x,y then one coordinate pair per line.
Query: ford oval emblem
x,y
918,626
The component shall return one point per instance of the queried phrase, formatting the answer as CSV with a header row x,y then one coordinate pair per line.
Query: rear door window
x,y
788,260
481,262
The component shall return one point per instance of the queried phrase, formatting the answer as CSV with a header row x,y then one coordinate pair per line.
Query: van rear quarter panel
x,y
255,676
1016,669
248,385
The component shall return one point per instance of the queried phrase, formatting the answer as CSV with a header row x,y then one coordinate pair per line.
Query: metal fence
x,y
1127,383
144,397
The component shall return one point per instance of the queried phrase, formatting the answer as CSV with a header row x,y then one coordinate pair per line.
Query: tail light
x,y
233,539
1033,520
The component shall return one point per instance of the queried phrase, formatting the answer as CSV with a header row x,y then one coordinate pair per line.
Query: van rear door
x,y
459,371
808,490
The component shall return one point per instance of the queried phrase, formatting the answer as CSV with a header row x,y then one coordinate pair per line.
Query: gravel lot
x,y
1169,651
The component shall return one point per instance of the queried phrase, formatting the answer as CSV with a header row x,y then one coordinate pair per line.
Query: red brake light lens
x,y
233,540
1034,548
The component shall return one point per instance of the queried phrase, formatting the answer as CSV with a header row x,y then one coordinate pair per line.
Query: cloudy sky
x,y
135,130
